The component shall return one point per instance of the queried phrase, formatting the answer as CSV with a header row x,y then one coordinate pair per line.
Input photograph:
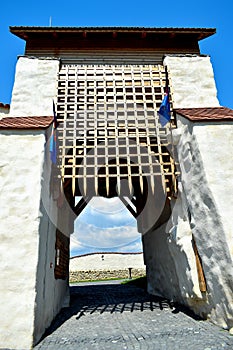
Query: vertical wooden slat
x,y
95,138
84,136
137,134
127,155
64,126
200,271
148,138
105,144
117,158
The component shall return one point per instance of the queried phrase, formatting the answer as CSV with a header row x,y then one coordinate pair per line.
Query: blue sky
x,y
105,225
154,13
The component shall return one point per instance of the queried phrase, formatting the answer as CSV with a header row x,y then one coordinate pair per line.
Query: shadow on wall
x,y
207,228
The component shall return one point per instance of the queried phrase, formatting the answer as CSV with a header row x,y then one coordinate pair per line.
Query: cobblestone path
x,y
114,316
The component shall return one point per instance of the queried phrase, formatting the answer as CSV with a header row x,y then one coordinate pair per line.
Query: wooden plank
x,y
200,271
128,206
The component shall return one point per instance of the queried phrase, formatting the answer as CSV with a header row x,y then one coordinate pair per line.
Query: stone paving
x,y
115,316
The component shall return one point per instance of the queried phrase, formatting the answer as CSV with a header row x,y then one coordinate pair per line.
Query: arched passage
x,y
146,195
111,142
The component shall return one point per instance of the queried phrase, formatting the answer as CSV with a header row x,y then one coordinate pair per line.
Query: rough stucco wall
x,y
180,246
203,210
192,81
207,178
33,92
21,161
170,260
218,165
52,293
31,297
34,87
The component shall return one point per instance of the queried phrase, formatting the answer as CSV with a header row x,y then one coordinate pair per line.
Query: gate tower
x,y
104,86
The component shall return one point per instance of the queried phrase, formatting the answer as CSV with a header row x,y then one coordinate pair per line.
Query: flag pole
x,y
172,143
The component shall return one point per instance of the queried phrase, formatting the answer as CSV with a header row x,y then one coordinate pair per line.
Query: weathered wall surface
x,y
34,87
31,297
21,162
207,178
203,209
170,262
192,81
29,213
51,293
215,142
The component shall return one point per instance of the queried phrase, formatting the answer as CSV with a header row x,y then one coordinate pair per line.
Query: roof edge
x,y
208,114
23,123
22,31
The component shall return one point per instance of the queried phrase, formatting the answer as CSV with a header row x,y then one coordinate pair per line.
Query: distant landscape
x,y
102,265
105,225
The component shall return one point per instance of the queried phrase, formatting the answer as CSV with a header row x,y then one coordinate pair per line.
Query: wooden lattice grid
x,y
109,128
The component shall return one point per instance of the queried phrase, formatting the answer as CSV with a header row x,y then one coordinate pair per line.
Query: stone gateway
x,y
104,87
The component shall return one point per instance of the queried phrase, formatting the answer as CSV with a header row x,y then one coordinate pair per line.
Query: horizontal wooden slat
x,y
117,57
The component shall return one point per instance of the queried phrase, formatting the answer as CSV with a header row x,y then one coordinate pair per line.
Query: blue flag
x,y
164,111
53,139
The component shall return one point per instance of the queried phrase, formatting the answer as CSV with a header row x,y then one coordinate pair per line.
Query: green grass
x,y
97,280
137,281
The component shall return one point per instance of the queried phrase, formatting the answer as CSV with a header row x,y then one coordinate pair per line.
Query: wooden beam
x,y
128,206
81,205
143,35
200,271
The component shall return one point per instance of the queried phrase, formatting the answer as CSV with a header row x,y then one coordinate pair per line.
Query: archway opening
x,y
111,141
106,243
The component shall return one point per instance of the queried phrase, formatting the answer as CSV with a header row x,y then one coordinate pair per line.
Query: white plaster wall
x,y
203,210
34,87
215,141
30,295
52,294
192,81
180,246
206,174
22,155
170,259
108,262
